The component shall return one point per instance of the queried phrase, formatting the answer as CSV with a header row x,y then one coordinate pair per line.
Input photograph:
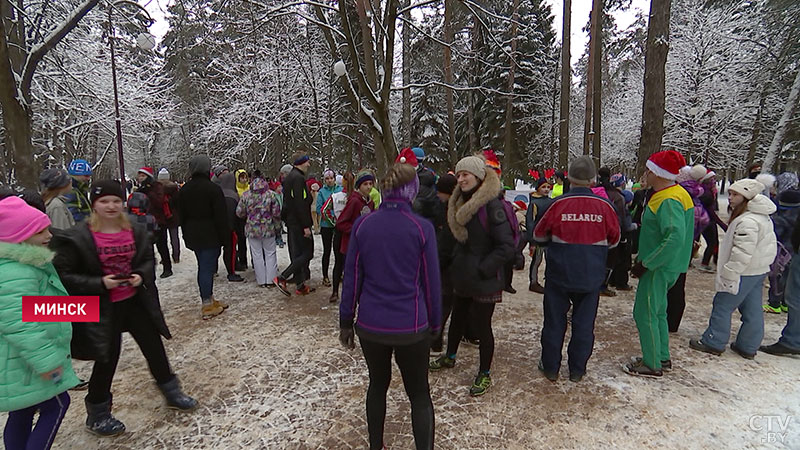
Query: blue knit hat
x,y
419,153
364,175
79,167
618,180
627,195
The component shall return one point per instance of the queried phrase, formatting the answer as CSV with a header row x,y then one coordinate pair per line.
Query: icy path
x,y
269,373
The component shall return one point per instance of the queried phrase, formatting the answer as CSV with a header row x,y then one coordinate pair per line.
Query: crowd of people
x,y
411,253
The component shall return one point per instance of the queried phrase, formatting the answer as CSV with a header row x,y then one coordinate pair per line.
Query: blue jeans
x,y
557,302
20,432
207,261
790,336
748,301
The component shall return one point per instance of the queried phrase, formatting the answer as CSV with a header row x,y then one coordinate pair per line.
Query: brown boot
x,y
334,298
211,310
222,305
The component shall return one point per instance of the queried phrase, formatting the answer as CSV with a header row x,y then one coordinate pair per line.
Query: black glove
x,y
638,270
347,338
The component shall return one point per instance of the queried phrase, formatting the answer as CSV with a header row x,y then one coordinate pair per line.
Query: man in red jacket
x,y
579,228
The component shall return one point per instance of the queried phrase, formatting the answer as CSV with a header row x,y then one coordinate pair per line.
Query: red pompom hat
x,y
666,164
407,156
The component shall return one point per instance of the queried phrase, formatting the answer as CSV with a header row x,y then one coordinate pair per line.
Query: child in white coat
x,y
745,254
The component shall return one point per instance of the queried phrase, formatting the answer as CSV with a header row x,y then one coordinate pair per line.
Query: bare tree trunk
x,y
16,78
16,119
773,154
508,142
587,118
475,38
654,82
406,76
552,154
597,85
448,79
566,84
751,153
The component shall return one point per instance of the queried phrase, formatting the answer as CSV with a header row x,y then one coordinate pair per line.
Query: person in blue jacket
x,y
398,299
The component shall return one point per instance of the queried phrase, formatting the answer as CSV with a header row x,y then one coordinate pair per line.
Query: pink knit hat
x,y
19,221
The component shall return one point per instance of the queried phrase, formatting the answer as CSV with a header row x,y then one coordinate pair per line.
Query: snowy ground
x,y
270,373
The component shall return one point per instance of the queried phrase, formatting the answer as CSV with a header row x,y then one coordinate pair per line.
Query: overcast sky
x,y
580,15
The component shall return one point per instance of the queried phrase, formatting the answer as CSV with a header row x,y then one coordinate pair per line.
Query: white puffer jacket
x,y
749,245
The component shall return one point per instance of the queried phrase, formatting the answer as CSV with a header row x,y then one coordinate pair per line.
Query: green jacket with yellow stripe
x,y
665,239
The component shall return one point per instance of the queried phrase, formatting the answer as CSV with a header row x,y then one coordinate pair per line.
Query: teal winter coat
x,y
325,193
29,349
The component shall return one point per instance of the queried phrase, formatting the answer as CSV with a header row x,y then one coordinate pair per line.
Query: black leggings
x,y
241,242
413,363
481,318
129,315
619,274
676,303
327,245
338,265
163,250
711,235
301,252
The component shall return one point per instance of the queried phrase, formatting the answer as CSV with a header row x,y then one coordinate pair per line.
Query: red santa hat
x,y
147,171
407,156
666,164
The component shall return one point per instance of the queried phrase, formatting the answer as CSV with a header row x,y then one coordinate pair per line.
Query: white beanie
x,y
163,174
473,165
698,172
747,187
768,180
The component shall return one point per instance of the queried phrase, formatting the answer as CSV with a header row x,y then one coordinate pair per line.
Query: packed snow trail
x,y
270,373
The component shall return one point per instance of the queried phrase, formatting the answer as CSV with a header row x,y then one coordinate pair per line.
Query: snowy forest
x,y
352,81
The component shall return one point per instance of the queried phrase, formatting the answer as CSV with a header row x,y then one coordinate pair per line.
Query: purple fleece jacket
x,y
392,273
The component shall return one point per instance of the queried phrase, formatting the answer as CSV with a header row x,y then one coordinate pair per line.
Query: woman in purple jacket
x,y
392,278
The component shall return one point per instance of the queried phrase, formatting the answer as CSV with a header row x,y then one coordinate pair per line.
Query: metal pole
x,y
117,119
116,101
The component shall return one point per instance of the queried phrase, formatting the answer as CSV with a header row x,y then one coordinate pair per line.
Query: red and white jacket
x,y
580,228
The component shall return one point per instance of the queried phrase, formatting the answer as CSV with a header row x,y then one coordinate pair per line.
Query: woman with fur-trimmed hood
x,y
483,247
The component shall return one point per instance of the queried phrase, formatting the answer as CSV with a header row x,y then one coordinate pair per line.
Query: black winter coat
x,y
427,202
80,271
296,211
446,245
477,267
203,214
539,206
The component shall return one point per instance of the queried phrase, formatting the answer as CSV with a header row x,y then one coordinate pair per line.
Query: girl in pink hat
x,y
35,367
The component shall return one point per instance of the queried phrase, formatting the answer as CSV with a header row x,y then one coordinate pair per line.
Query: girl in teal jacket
x,y
35,365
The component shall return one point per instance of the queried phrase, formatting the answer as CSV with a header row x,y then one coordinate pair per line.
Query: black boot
x,y
176,399
100,421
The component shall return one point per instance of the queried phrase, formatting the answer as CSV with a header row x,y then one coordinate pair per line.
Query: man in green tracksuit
x,y
665,249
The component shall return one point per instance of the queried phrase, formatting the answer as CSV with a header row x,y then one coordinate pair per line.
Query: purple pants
x,y
20,434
